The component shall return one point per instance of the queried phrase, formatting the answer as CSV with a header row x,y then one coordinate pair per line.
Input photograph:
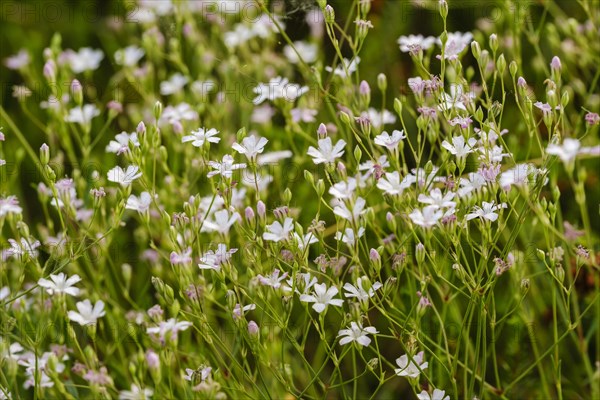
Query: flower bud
x,y
141,128
158,107
444,9
261,209
475,49
287,196
398,106
329,14
322,131
382,82
44,154
357,154
344,117
249,213
513,68
420,253
501,64
309,177
50,71
493,42
253,329
320,187
77,92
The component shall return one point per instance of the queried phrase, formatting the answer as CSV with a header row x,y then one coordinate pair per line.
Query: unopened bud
x,y
77,92
44,154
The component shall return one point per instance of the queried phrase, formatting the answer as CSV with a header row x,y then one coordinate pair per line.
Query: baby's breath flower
x,y
58,284
356,333
413,43
411,368
326,153
124,177
202,135
322,297
87,314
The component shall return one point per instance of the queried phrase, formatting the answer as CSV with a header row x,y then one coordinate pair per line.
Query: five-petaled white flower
x,y
213,259
348,235
391,142
86,59
171,327
436,395
346,67
428,217
327,152
250,146
277,232
140,204
82,115
486,211
174,85
411,368
353,214
9,205
455,99
60,284
222,222
459,147
392,184
411,43
136,393
200,136
124,177
87,314
455,44
356,333
569,149
322,297
359,292
225,167
438,200
278,88
273,280
121,143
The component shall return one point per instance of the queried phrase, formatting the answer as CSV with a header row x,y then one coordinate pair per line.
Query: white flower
x,y
303,114
20,248
59,284
392,185
238,310
358,209
277,232
250,146
273,157
86,59
493,155
225,167
391,142
486,211
129,56
322,297
203,373
278,88
124,177
459,147
308,52
455,44
348,236
273,280
437,395
171,326
436,199
412,42
87,314
567,151
9,205
222,222
213,259
517,176
121,143
305,241
136,393
455,99
141,204
356,333
173,85
343,190
359,292
181,112
83,115
200,136
326,153
17,61
378,119
428,217
411,368
472,183
346,67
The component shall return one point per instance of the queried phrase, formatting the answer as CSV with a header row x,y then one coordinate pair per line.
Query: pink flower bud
x,y
249,212
555,64
521,82
364,88
253,328
374,255
261,209
152,359
141,128
322,131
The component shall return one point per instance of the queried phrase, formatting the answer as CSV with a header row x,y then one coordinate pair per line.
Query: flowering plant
x,y
261,207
